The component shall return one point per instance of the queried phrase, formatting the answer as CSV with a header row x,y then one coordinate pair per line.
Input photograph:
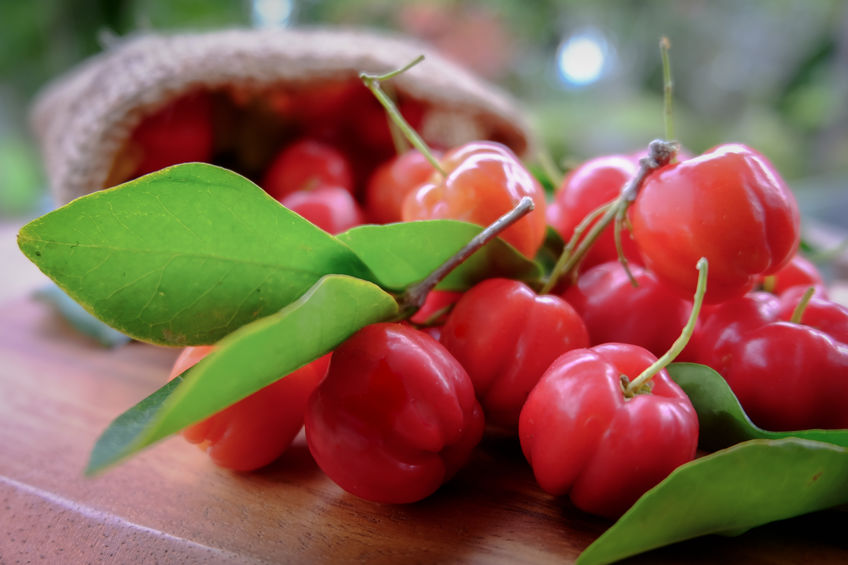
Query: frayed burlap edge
x,y
84,118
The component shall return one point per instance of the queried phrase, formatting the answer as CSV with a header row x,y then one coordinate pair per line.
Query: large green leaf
x,y
729,492
184,255
247,360
404,253
722,420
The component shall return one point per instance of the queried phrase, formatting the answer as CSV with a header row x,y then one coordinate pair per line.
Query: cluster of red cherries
x,y
572,369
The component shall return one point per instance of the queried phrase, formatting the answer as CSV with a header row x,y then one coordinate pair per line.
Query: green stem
x,y
769,283
680,343
399,141
568,250
660,154
620,219
413,298
373,84
668,85
798,312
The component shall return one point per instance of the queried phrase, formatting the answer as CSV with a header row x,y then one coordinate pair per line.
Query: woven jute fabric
x,y
82,119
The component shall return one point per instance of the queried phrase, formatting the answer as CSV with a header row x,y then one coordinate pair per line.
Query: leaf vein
x,y
175,217
193,254
200,296
246,297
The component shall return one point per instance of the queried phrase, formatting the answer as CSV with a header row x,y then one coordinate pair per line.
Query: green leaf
x,y
251,358
404,253
183,256
79,318
729,492
721,418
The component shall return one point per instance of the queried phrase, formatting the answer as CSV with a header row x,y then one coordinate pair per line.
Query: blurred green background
x,y
769,73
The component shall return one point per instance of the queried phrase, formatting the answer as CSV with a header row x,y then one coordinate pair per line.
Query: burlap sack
x,y
83,119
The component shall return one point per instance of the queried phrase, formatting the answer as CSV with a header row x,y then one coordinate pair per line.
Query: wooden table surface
x,y
59,390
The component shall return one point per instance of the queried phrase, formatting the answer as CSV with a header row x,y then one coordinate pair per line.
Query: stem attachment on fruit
x,y
413,298
798,312
641,383
373,84
660,153
769,283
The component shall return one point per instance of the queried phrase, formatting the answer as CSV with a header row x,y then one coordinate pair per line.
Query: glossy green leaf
x,y
729,492
184,255
404,253
247,360
722,420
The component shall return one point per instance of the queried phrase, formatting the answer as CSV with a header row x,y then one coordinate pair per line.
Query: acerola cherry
x,y
798,272
307,164
396,416
391,182
506,335
728,205
649,314
256,430
584,189
437,304
819,313
585,438
791,376
180,132
483,181
722,327
787,375
331,208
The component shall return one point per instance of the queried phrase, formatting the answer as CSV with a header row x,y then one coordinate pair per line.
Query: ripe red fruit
x,y
180,132
256,430
304,165
584,189
728,205
786,375
721,327
437,304
391,182
331,208
798,272
396,416
584,438
649,315
483,181
506,335
791,376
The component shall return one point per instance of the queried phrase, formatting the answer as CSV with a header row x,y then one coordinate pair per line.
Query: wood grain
x,y
58,391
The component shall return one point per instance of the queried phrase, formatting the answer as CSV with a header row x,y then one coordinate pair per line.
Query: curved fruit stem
x,y
373,84
668,85
413,298
798,312
620,224
660,154
399,140
637,385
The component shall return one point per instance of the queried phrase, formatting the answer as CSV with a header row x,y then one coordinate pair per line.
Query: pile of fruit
x,y
560,336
